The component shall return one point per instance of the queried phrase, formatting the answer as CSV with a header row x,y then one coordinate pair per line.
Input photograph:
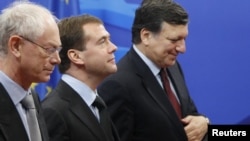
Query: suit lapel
x,y
151,84
161,99
153,87
10,121
179,84
81,110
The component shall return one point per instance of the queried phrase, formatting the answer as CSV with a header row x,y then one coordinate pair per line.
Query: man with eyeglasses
x,y
48,50
30,44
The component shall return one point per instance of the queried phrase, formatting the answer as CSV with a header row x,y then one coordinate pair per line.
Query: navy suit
x,y
11,125
139,106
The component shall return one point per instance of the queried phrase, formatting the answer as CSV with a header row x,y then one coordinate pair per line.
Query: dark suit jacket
x,y
138,105
11,125
69,118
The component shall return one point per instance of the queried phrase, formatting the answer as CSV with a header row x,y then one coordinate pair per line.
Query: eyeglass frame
x,y
49,51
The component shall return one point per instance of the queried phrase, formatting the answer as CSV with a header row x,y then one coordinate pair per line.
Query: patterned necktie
x,y
29,105
105,121
168,90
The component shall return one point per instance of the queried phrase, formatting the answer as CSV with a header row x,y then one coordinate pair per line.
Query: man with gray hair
x,y
30,43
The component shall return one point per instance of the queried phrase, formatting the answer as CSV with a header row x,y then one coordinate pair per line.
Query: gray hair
x,y
23,18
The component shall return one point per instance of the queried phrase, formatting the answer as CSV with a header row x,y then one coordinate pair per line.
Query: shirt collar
x,y
15,91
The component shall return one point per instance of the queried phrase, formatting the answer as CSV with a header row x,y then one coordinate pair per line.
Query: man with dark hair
x,y
147,97
161,2
72,111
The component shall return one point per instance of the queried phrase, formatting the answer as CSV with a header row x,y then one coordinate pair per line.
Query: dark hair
x,y
72,36
151,17
161,2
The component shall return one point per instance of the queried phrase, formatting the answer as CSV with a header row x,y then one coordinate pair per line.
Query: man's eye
x,y
174,40
102,41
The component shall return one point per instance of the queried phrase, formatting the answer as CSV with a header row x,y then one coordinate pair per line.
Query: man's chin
x,y
44,79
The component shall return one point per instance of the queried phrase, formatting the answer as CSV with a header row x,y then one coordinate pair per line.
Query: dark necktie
x,y
105,121
99,103
29,105
171,96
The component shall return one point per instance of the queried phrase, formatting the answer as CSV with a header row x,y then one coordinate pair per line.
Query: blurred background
x,y
217,61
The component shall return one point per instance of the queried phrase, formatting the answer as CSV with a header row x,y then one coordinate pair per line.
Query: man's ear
x,y
15,44
145,36
74,56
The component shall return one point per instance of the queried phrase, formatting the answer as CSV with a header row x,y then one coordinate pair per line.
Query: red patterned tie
x,y
171,96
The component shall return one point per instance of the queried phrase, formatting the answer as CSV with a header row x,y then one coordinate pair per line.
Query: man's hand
x,y
196,127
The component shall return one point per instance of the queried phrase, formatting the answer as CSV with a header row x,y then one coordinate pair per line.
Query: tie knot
x,y
163,73
28,102
99,103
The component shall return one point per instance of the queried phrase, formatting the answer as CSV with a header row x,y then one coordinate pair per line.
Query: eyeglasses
x,y
49,51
